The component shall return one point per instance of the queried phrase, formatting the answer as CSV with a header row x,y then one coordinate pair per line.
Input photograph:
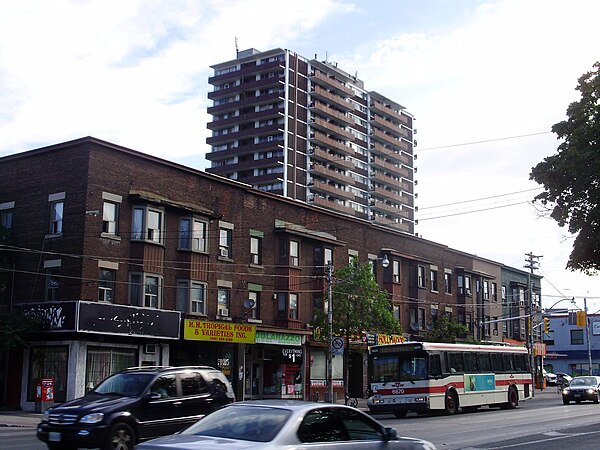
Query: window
x,y
147,225
191,297
486,290
254,312
49,362
464,285
52,284
434,280
223,298
225,240
192,234
165,385
504,294
6,216
192,383
421,276
294,253
110,218
106,285
145,290
577,337
448,282
56,217
421,318
396,270
494,292
104,361
293,310
281,305
256,250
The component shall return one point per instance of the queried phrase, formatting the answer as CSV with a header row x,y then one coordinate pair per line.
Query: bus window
x,y
520,363
508,362
483,362
497,365
455,362
470,360
435,365
385,369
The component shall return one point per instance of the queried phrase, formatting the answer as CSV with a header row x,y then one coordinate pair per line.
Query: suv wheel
x,y
121,437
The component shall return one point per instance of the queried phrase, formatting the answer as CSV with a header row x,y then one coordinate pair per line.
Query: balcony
x,y
247,117
326,126
387,138
332,174
320,154
323,187
399,197
326,141
328,97
322,78
329,111
387,110
330,204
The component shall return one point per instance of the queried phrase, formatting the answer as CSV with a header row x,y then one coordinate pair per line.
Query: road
x,y
541,423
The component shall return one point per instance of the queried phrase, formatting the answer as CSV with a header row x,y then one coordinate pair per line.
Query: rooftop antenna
x,y
237,50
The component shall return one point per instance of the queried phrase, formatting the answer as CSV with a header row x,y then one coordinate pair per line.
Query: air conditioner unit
x,y
224,312
468,291
224,252
150,349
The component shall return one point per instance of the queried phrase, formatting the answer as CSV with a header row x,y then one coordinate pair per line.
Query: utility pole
x,y
532,262
329,332
587,332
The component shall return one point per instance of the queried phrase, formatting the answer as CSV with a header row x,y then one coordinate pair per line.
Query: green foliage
x,y
13,328
446,331
359,304
571,177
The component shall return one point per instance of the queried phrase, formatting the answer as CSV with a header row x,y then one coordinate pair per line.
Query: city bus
x,y
428,377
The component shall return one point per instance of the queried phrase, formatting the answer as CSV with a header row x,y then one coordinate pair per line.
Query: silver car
x,y
287,424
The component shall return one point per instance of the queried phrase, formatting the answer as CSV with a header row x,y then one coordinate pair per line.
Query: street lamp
x,y
385,262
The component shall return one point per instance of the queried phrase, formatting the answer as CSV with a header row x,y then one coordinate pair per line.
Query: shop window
x,y
102,362
48,362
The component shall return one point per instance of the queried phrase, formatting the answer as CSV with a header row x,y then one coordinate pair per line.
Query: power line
x,y
481,198
484,141
474,211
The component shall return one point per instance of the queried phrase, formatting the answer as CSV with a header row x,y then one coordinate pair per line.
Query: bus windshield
x,y
399,368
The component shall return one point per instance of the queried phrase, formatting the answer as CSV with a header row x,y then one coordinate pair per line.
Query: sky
x,y
485,80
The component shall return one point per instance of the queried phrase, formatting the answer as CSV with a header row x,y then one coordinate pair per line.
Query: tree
x,y
444,330
359,305
571,177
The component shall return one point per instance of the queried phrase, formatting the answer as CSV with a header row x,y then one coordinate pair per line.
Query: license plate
x,y
54,436
577,395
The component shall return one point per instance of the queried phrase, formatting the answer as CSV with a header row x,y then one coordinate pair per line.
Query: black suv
x,y
135,404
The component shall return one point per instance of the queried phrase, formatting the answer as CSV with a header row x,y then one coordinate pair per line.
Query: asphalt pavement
x,y
31,419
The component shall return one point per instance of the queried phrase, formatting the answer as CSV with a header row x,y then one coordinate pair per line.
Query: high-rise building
x,y
307,130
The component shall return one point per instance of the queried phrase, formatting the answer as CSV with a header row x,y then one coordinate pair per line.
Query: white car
x,y
549,377
289,424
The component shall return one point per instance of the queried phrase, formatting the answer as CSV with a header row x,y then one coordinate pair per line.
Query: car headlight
x,y
46,415
92,418
591,391
566,391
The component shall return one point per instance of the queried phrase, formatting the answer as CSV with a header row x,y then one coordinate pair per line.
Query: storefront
x,y
81,343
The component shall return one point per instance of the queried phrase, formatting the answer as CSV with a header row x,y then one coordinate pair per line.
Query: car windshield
x,y
584,381
248,423
125,384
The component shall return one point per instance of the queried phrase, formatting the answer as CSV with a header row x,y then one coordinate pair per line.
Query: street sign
x,y
337,346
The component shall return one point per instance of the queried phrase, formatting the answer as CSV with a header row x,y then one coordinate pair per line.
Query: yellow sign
x,y
202,330
389,339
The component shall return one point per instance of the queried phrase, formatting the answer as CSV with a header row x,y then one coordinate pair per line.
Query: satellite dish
x,y
249,303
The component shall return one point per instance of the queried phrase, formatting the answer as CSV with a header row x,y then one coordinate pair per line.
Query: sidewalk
x,y
19,419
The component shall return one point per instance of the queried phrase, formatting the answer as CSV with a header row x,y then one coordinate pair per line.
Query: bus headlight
x,y
378,401
420,399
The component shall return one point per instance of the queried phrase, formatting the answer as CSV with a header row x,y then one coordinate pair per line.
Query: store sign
x,y
293,354
389,339
202,330
263,337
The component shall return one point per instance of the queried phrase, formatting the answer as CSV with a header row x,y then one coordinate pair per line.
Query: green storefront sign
x,y
263,337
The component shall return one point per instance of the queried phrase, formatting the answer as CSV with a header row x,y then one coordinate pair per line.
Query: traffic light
x,y
546,324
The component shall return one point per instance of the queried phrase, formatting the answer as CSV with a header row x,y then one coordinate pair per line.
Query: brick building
x,y
128,259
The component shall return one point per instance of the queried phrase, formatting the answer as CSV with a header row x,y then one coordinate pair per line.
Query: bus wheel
x,y
513,398
451,403
400,414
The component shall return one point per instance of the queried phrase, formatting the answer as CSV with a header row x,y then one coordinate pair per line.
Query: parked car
x,y
289,424
136,404
582,388
563,379
549,377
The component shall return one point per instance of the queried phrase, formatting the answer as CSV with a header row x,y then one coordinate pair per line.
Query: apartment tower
x,y
309,131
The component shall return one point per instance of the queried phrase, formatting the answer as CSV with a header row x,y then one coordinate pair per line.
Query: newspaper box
x,y
44,394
